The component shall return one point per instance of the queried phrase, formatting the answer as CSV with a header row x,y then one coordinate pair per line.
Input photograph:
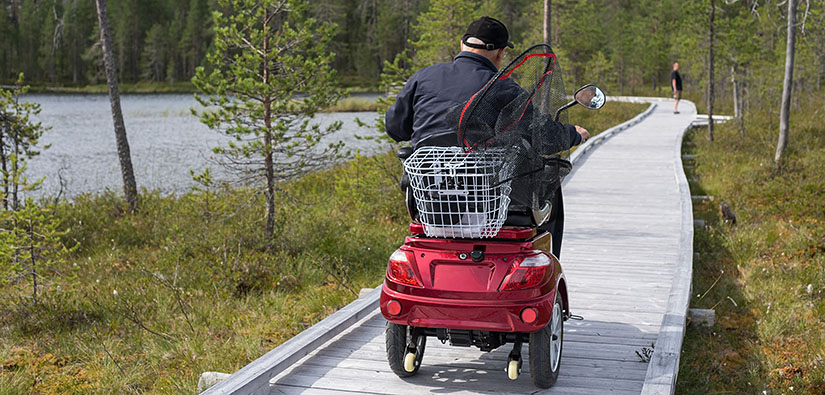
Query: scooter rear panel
x,y
459,292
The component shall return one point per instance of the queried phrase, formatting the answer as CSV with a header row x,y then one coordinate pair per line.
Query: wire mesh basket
x,y
459,194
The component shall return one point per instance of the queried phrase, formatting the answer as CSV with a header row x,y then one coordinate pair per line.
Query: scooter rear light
x,y
528,315
400,269
528,273
394,307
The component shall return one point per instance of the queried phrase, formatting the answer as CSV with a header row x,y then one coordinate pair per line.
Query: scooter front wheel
x,y
545,349
403,360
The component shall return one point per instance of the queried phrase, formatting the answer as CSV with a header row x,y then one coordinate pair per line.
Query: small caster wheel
x,y
512,370
409,362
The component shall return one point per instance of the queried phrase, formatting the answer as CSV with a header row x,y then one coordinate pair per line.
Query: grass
x,y
162,87
189,284
613,113
353,104
765,275
348,104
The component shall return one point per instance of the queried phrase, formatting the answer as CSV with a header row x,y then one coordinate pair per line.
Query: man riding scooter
x,y
422,108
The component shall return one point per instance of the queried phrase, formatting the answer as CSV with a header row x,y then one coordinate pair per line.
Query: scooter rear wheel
x,y
397,339
545,349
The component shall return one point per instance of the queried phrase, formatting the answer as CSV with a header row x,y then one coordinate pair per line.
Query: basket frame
x,y
457,193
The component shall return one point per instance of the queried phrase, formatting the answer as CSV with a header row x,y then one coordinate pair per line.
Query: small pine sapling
x,y
269,73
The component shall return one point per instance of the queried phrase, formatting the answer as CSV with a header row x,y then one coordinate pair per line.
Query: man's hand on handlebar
x,y
583,132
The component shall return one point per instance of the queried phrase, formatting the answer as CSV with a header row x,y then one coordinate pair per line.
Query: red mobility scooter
x,y
478,268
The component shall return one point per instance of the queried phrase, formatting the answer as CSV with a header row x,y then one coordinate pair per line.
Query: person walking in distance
x,y
676,84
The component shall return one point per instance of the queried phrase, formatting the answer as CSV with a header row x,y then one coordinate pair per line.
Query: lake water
x,y
166,141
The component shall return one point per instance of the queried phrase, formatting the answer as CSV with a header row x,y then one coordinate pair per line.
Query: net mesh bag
x,y
510,152
515,113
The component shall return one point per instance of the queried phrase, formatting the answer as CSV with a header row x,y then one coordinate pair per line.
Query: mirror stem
x,y
566,106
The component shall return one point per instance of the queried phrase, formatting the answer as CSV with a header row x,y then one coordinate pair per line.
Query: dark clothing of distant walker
x,y
421,108
674,76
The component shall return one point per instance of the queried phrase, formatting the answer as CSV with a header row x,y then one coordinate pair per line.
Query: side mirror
x,y
590,96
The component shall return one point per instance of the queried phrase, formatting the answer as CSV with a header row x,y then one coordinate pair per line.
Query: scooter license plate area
x,y
462,277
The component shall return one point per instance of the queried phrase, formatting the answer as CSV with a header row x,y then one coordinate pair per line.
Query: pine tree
x,y
153,62
194,34
439,30
266,53
32,239
19,135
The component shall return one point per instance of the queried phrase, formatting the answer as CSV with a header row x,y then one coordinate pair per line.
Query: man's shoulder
x,y
433,77
435,68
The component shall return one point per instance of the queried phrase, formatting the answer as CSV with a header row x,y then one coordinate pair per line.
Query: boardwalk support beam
x,y
663,368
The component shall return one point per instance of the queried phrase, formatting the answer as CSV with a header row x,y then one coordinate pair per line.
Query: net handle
x,y
561,162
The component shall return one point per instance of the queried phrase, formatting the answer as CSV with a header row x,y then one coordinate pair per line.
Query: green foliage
x,y
439,30
153,59
19,135
265,54
193,293
579,40
258,69
206,192
56,43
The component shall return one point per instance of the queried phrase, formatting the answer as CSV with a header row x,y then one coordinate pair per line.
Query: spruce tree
x,y
267,53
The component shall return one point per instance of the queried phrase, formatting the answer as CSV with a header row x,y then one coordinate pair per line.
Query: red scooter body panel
x,y
458,293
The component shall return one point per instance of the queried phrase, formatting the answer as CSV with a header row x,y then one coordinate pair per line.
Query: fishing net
x,y
513,113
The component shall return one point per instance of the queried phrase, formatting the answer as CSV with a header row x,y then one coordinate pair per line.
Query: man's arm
x,y
577,134
582,133
399,117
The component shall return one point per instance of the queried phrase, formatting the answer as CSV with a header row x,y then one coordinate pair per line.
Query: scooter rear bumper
x,y
480,315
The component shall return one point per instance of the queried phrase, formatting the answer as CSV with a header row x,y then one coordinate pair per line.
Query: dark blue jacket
x,y
422,105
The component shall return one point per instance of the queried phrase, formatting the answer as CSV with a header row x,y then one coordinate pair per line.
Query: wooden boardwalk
x,y
622,248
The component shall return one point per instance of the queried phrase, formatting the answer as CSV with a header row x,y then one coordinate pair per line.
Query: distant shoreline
x,y
143,87
360,99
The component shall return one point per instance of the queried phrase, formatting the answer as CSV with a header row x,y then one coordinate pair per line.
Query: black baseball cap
x,y
489,30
